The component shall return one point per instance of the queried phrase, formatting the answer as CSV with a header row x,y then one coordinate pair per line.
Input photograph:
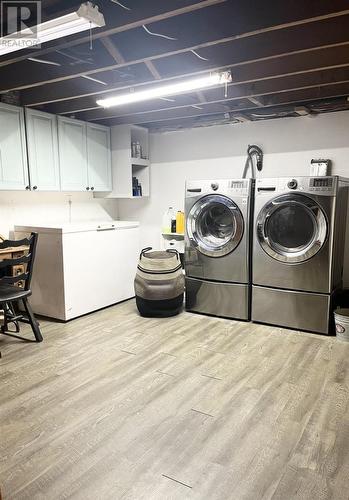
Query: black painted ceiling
x,y
287,58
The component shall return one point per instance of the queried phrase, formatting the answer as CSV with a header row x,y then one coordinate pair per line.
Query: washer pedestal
x,y
226,300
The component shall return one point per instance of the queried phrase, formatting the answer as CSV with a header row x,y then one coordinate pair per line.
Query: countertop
x,y
77,227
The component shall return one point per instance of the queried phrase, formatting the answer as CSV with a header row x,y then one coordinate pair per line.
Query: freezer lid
x,y
76,227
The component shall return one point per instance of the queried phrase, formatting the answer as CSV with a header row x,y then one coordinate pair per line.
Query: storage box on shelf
x,y
128,170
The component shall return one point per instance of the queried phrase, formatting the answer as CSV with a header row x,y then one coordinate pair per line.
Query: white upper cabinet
x,y
72,154
13,154
42,150
99,157
64,154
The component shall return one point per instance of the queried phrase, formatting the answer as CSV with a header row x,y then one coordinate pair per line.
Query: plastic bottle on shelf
x,y
133,149
180,222
138,150
166,220
173,223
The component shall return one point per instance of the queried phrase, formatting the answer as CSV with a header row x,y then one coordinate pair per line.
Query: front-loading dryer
x,y
298,250
217,247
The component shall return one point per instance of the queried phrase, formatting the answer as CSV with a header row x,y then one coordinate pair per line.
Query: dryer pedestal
x,y
226,300
291,309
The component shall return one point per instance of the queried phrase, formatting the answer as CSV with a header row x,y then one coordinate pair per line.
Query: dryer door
x,y
292,228
215,225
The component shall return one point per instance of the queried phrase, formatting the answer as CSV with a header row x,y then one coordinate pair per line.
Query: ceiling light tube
x,y
213,80
85,18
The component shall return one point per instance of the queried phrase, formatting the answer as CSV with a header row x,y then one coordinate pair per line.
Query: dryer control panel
x,y
323,186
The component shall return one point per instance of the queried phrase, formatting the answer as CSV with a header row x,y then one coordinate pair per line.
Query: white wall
x,y
220,152
36,208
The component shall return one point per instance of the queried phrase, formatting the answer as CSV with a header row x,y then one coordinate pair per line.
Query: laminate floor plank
x,y
115,406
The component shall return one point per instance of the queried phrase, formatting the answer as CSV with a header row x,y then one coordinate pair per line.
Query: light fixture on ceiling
x,y
85,18
212,80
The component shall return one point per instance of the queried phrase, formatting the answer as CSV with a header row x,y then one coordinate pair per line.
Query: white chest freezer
x,y
80,268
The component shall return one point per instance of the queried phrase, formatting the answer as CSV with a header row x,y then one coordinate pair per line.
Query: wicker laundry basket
x,y
159,283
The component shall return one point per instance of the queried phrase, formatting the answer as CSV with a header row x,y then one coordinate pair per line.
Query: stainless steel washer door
x,y
291,228
215,225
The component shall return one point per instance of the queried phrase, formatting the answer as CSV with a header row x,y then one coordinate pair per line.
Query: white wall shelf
x,y
142,162
125,166
174,241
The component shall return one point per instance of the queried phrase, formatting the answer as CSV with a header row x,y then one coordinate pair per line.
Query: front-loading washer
x,y
218,247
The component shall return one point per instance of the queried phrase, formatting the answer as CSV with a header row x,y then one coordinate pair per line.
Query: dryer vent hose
x,y
253,151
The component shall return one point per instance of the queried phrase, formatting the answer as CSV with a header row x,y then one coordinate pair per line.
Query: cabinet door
x,y
98,157
42,150
72,154
13,153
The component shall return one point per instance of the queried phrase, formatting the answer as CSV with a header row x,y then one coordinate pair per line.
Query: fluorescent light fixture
x,y
212,80
87,17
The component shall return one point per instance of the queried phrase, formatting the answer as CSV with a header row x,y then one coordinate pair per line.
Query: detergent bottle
x,y
180,222
166,220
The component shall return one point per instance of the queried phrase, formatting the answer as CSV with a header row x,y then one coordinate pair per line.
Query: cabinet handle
x,y
87,189
35,187
92,188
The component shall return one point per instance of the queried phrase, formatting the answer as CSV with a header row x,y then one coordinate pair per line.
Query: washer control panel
x,y
228,187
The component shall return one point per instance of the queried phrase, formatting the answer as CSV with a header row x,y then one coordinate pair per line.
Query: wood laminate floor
x,y
115,406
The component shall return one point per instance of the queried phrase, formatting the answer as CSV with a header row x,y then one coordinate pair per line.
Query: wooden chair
x,y
15,287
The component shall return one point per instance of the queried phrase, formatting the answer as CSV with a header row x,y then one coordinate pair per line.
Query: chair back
x,y
26,261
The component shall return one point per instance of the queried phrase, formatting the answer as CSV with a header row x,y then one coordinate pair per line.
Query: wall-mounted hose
x,y
253,151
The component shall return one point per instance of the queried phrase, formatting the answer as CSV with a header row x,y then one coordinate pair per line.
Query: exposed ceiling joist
x,y
240,117
118,29
253,33
245,92
113,50
247,74
29,98
234,56
150,65
257,102
188,112
274,111
293,58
